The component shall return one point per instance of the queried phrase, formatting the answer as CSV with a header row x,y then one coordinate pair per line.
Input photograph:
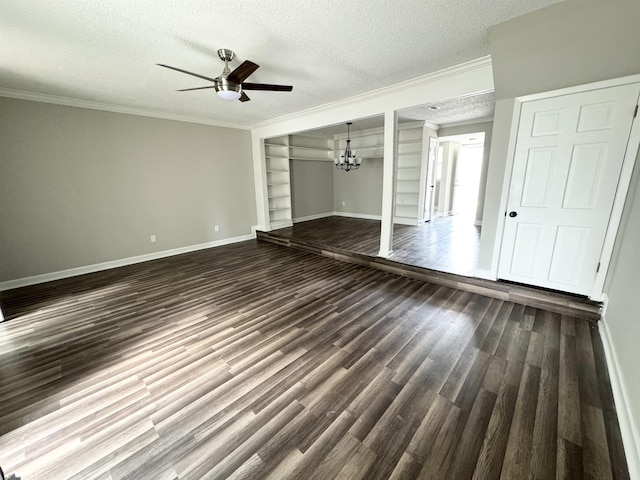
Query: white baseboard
x,y
97,267
486,274
364,216
406,221
275,225
312,217
628,429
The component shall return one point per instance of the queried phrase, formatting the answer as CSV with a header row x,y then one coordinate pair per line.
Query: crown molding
x,y
467,122
471,65
378,130
106,107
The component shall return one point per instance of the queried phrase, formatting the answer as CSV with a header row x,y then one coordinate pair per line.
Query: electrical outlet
x,y
216,228
344,203
153,239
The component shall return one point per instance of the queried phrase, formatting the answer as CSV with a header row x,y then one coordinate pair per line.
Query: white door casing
x,y
568,156
430,183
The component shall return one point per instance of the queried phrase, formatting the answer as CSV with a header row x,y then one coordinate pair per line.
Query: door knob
x,y
513,214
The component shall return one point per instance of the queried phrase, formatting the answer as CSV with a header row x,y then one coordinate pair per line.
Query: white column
x,y
388,182
260,182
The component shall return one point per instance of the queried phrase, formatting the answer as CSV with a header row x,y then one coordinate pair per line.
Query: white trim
x,y
406,221
624,182
467,122
469,66
364,216
506,184
432,126
497,246
478,223
312,217
97,267
628,429
587,87
275,225
631,152
486,274
106,107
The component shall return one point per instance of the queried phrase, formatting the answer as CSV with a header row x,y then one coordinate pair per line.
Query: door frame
x,y
628,163
428,185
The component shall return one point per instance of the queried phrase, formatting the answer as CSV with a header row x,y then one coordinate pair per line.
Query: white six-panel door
x,y
568,157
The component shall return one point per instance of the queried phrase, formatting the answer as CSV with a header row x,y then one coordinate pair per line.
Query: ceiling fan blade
x,y
197,88
244,97
188,73
242,72
266,86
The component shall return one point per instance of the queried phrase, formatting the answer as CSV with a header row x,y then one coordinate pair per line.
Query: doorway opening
x,y
457,177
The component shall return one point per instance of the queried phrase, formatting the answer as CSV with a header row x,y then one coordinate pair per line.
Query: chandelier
x,y
348,161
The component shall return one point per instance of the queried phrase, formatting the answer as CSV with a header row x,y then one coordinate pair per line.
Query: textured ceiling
x,y
105,51
456,110
452,111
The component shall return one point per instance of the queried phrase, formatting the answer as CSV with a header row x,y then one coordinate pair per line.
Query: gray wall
x,y
572,43
487,128
622,316
80,187
361,190
569,43
311,187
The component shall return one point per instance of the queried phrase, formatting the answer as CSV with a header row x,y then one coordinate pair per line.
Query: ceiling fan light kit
x,y
229,85
348,160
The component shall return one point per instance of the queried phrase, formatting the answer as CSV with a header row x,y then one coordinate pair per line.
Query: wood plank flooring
x,y
334,237
256,361
447,244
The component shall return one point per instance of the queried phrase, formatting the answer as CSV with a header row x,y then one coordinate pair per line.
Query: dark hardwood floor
x,y
256,361
448,244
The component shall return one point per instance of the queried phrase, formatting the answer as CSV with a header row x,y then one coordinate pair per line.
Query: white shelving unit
x,y
278,181
279,152
310,148
367,144
410,173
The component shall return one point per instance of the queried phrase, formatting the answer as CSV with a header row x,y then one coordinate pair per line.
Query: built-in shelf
x,y
367,144
409,170
278,179
300,147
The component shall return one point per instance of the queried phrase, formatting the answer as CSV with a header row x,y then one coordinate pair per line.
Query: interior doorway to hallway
x,y
457,175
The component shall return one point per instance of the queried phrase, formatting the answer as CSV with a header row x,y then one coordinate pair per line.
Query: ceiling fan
x,y
231,85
